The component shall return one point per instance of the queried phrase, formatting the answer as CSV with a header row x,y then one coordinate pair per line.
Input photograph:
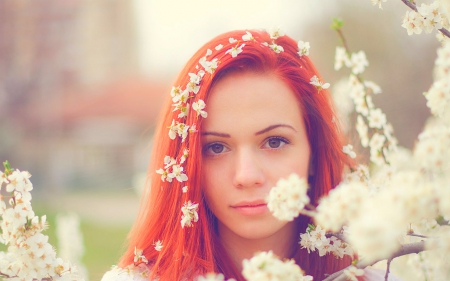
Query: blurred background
x,y
82,81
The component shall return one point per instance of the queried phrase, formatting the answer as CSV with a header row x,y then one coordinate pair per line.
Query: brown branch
x,y
445,32
410,4
417,235
406,249
339,236
388,268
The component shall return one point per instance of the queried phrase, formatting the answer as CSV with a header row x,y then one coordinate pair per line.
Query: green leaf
x,y
310,228
337,24
8,169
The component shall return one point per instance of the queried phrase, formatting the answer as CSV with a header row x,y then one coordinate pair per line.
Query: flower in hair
x,y
178,128
303,48
158,245
247,36
218,47
276,32
232,40
190,214
276,48
183,108
164,174
234,51
198,107
139,257
177,172
209,66
194,81
185,155
319,84
179,96
169,161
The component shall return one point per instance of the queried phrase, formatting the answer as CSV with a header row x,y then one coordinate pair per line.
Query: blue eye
x,y
275,142
215,149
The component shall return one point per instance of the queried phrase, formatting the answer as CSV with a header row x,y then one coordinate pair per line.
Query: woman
x,y
246,110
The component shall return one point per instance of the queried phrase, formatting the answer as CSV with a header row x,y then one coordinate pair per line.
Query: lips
x,y
249,208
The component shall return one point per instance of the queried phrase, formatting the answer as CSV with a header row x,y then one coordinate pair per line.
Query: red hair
x,y
191,251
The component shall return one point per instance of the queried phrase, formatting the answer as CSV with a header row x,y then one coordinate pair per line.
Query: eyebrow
x,y
272,127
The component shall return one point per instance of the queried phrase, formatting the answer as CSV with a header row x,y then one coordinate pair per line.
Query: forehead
x,y
255,99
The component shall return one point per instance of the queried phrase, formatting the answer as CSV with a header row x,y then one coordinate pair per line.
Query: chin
x,y
258,229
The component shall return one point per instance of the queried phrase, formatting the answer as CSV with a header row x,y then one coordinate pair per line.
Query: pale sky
x,y
170,31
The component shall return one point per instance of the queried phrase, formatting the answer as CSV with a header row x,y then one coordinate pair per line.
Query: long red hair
x,y
191,251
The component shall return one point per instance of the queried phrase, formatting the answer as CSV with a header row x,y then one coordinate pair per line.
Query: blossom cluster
x,y
265,266
29,255
288,198
438,96
428,17
372,126
315,238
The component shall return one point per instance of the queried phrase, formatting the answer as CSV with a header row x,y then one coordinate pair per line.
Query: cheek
x,y
213,185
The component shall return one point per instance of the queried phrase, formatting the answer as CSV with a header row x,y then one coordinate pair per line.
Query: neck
x,y
283,243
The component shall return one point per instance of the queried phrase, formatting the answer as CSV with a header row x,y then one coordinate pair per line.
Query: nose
x,y
248,170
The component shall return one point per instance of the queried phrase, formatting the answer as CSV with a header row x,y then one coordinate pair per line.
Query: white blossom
x,y
234,51
303,48
341,58
358,62
213,277
413,22
318,84
247,36
342,203
276,48
198,107
190,214
348,149
209,66
352,272
376,118
158,245
265,266
177,172
139,256
288,198
276,32
362,130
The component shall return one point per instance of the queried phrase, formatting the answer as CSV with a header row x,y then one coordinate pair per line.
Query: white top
x,y
140,273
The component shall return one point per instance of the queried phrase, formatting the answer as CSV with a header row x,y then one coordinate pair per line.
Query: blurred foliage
x,y
103,243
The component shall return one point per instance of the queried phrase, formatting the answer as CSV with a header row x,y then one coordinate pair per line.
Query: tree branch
x,y
410,4
388,268
406,249
339,236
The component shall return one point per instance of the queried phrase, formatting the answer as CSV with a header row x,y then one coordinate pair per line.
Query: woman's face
x,y
254,134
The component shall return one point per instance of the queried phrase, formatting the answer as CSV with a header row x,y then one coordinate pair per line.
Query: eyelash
x,y
285,141
266,141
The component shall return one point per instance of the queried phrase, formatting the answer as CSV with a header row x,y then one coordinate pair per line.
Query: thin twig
x,y
388,268
409,4
339,236
406,249
417,235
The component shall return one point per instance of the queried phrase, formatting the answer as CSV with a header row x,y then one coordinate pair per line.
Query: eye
x,y
215,149
275,142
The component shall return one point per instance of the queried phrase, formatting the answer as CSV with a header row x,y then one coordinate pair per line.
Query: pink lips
x,y
251,208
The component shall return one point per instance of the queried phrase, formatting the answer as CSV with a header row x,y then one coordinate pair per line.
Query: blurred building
x,y
60,63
